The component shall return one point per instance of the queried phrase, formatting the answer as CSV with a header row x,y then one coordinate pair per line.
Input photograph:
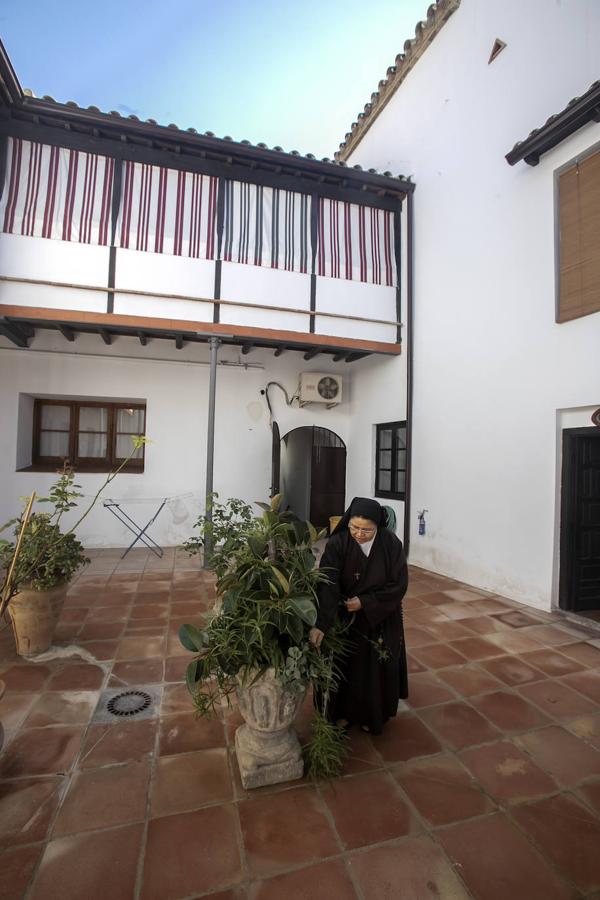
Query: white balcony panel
x,y
56,261
271,287
355,298
164,274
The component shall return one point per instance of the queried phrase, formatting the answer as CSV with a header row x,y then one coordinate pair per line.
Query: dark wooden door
x,y
328,477
580,520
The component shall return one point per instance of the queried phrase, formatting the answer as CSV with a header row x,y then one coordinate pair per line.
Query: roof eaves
x,y
10,89
356,176
577,113
437,16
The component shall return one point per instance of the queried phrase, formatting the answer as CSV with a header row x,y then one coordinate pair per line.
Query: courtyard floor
x,y
486,785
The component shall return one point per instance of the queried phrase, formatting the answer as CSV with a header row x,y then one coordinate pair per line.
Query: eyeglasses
x,y
361,530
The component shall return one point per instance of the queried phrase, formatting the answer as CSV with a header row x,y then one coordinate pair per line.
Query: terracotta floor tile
x,y
435,598
568,835
176,699
62,708
140,671
41,751
17,868
449,631
464,595
175,668
202,853
513,642
468,680
437,656
384,814
272,838
496,861
550,635
76,867
101,650
70,615
566,757
426,690
590,794
453,610
459,724
189,780
101,631
98,614
184,732
140,647
107,745
149,612
362,755
442,790
176,648
509,712
101,798
428,615
405,737
507,773
518,619
485,625
551,662
77,676
587,683
512,670
26,809
13,711
490,605
329,879
475,648
585,653
417,637
586,727
413,665
557,700
31,677
413,870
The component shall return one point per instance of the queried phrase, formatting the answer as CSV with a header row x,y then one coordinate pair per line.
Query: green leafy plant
x,y
267,583
48,556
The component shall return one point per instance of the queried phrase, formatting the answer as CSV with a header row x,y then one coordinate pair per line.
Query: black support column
x,y
214,344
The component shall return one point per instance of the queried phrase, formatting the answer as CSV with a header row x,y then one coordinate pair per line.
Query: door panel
x,y
580,520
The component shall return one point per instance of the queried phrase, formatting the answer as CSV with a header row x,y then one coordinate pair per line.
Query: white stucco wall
x,y
492,368
174,385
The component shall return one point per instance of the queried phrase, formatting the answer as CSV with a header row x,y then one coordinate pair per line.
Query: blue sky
x,y
287,73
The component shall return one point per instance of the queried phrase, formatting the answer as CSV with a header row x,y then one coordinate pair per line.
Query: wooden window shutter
x,y
579,243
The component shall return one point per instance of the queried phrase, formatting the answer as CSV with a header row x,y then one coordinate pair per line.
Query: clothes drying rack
x,y
140,531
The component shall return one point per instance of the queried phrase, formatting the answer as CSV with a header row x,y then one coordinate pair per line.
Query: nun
x,y
368,577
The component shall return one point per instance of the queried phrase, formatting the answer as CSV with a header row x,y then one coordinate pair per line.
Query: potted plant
x,y
43,558
256,642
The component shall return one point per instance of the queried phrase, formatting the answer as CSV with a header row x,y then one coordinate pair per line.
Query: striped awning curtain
x,y
53,192
167,211
266,226
355,242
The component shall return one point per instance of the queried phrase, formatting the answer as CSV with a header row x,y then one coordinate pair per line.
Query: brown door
x,y
328,477
580,520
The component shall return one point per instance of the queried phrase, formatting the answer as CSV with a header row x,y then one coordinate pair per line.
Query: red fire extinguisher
x,y
421,518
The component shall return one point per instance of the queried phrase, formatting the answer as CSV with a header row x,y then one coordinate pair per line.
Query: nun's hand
x,y
315,636
353,604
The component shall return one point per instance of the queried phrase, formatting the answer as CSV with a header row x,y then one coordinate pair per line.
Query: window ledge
x,y
88,470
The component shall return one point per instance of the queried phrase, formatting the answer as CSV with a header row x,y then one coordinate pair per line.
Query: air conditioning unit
x,y
317,387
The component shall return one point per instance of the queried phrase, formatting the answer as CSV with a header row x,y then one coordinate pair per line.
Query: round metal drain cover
x,y
129,703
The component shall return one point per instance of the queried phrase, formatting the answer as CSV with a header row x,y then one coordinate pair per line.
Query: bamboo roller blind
x,y
579,245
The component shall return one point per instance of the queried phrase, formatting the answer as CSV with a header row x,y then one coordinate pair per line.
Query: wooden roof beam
x,y
179,342
106,336
143,338
281,349
19,336
67,333
247,347
310,354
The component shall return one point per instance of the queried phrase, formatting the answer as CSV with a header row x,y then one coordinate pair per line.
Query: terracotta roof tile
x,y
437,15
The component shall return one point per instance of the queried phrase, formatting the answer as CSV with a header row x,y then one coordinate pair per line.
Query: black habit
x,y
375,672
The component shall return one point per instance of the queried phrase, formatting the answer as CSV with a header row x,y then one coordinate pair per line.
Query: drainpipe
x,y
214,343
409,367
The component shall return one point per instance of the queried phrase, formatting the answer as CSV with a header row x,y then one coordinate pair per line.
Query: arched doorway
x,y
313,473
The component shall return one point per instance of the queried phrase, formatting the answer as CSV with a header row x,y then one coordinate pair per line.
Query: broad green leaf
x,y
265,506
191,638
293,626
276,502
192,677
313,533
281,579
305,609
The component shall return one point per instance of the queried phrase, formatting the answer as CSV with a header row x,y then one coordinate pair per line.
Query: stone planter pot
x,y
34,616
2,689
268,750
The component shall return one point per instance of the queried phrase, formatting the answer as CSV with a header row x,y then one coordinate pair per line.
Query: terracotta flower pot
x,y
267,748
34,616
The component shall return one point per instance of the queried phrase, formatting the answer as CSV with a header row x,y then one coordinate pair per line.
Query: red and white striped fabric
x,y
167,211
355,242
52,192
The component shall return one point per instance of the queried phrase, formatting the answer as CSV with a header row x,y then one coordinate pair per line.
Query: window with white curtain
x,y
89,434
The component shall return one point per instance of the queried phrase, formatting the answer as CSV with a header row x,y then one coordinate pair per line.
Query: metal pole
x,y
409,366
210,452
